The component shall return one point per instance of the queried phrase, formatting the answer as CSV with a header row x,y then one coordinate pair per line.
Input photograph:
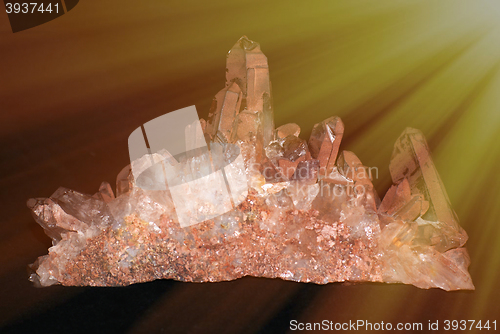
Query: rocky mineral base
x,y
310,215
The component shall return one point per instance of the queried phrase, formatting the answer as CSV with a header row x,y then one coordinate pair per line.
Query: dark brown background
x,y
72,90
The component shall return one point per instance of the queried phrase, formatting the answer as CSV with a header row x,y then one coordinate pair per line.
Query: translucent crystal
x,y
294,148
271,172
401,204
408,261
290,129
240,198
330,201
325,141
105,193
411,160
360,185
247,67
85,208
225,108
274,151
248,126
352,168
70,219
124,181
279,200
302,194
267,119
307,171
236,62
396,197
287,167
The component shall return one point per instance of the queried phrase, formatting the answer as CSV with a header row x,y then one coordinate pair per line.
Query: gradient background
x,y
73,89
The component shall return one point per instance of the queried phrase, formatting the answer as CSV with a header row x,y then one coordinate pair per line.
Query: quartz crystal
x,y
310,214
325,141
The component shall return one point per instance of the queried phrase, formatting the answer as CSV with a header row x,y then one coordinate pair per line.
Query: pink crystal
x,y
325,141
311,214
290,129
225,108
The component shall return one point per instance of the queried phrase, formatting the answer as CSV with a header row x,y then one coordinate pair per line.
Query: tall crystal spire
x,y
411,159
247,66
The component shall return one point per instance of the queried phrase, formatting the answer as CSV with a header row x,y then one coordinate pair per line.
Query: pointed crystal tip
x,y
245,44
31,203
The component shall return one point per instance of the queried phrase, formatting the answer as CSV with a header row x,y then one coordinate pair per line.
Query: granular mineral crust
x,y
310,211
293,245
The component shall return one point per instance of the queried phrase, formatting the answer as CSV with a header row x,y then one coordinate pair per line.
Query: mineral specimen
x,y
310,213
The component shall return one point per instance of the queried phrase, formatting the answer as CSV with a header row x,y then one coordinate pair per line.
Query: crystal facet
x,y
247,67
325,141
290,129
291,209
225,108
411,160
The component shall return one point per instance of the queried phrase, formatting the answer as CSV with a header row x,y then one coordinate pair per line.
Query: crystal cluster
x,y
311,213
